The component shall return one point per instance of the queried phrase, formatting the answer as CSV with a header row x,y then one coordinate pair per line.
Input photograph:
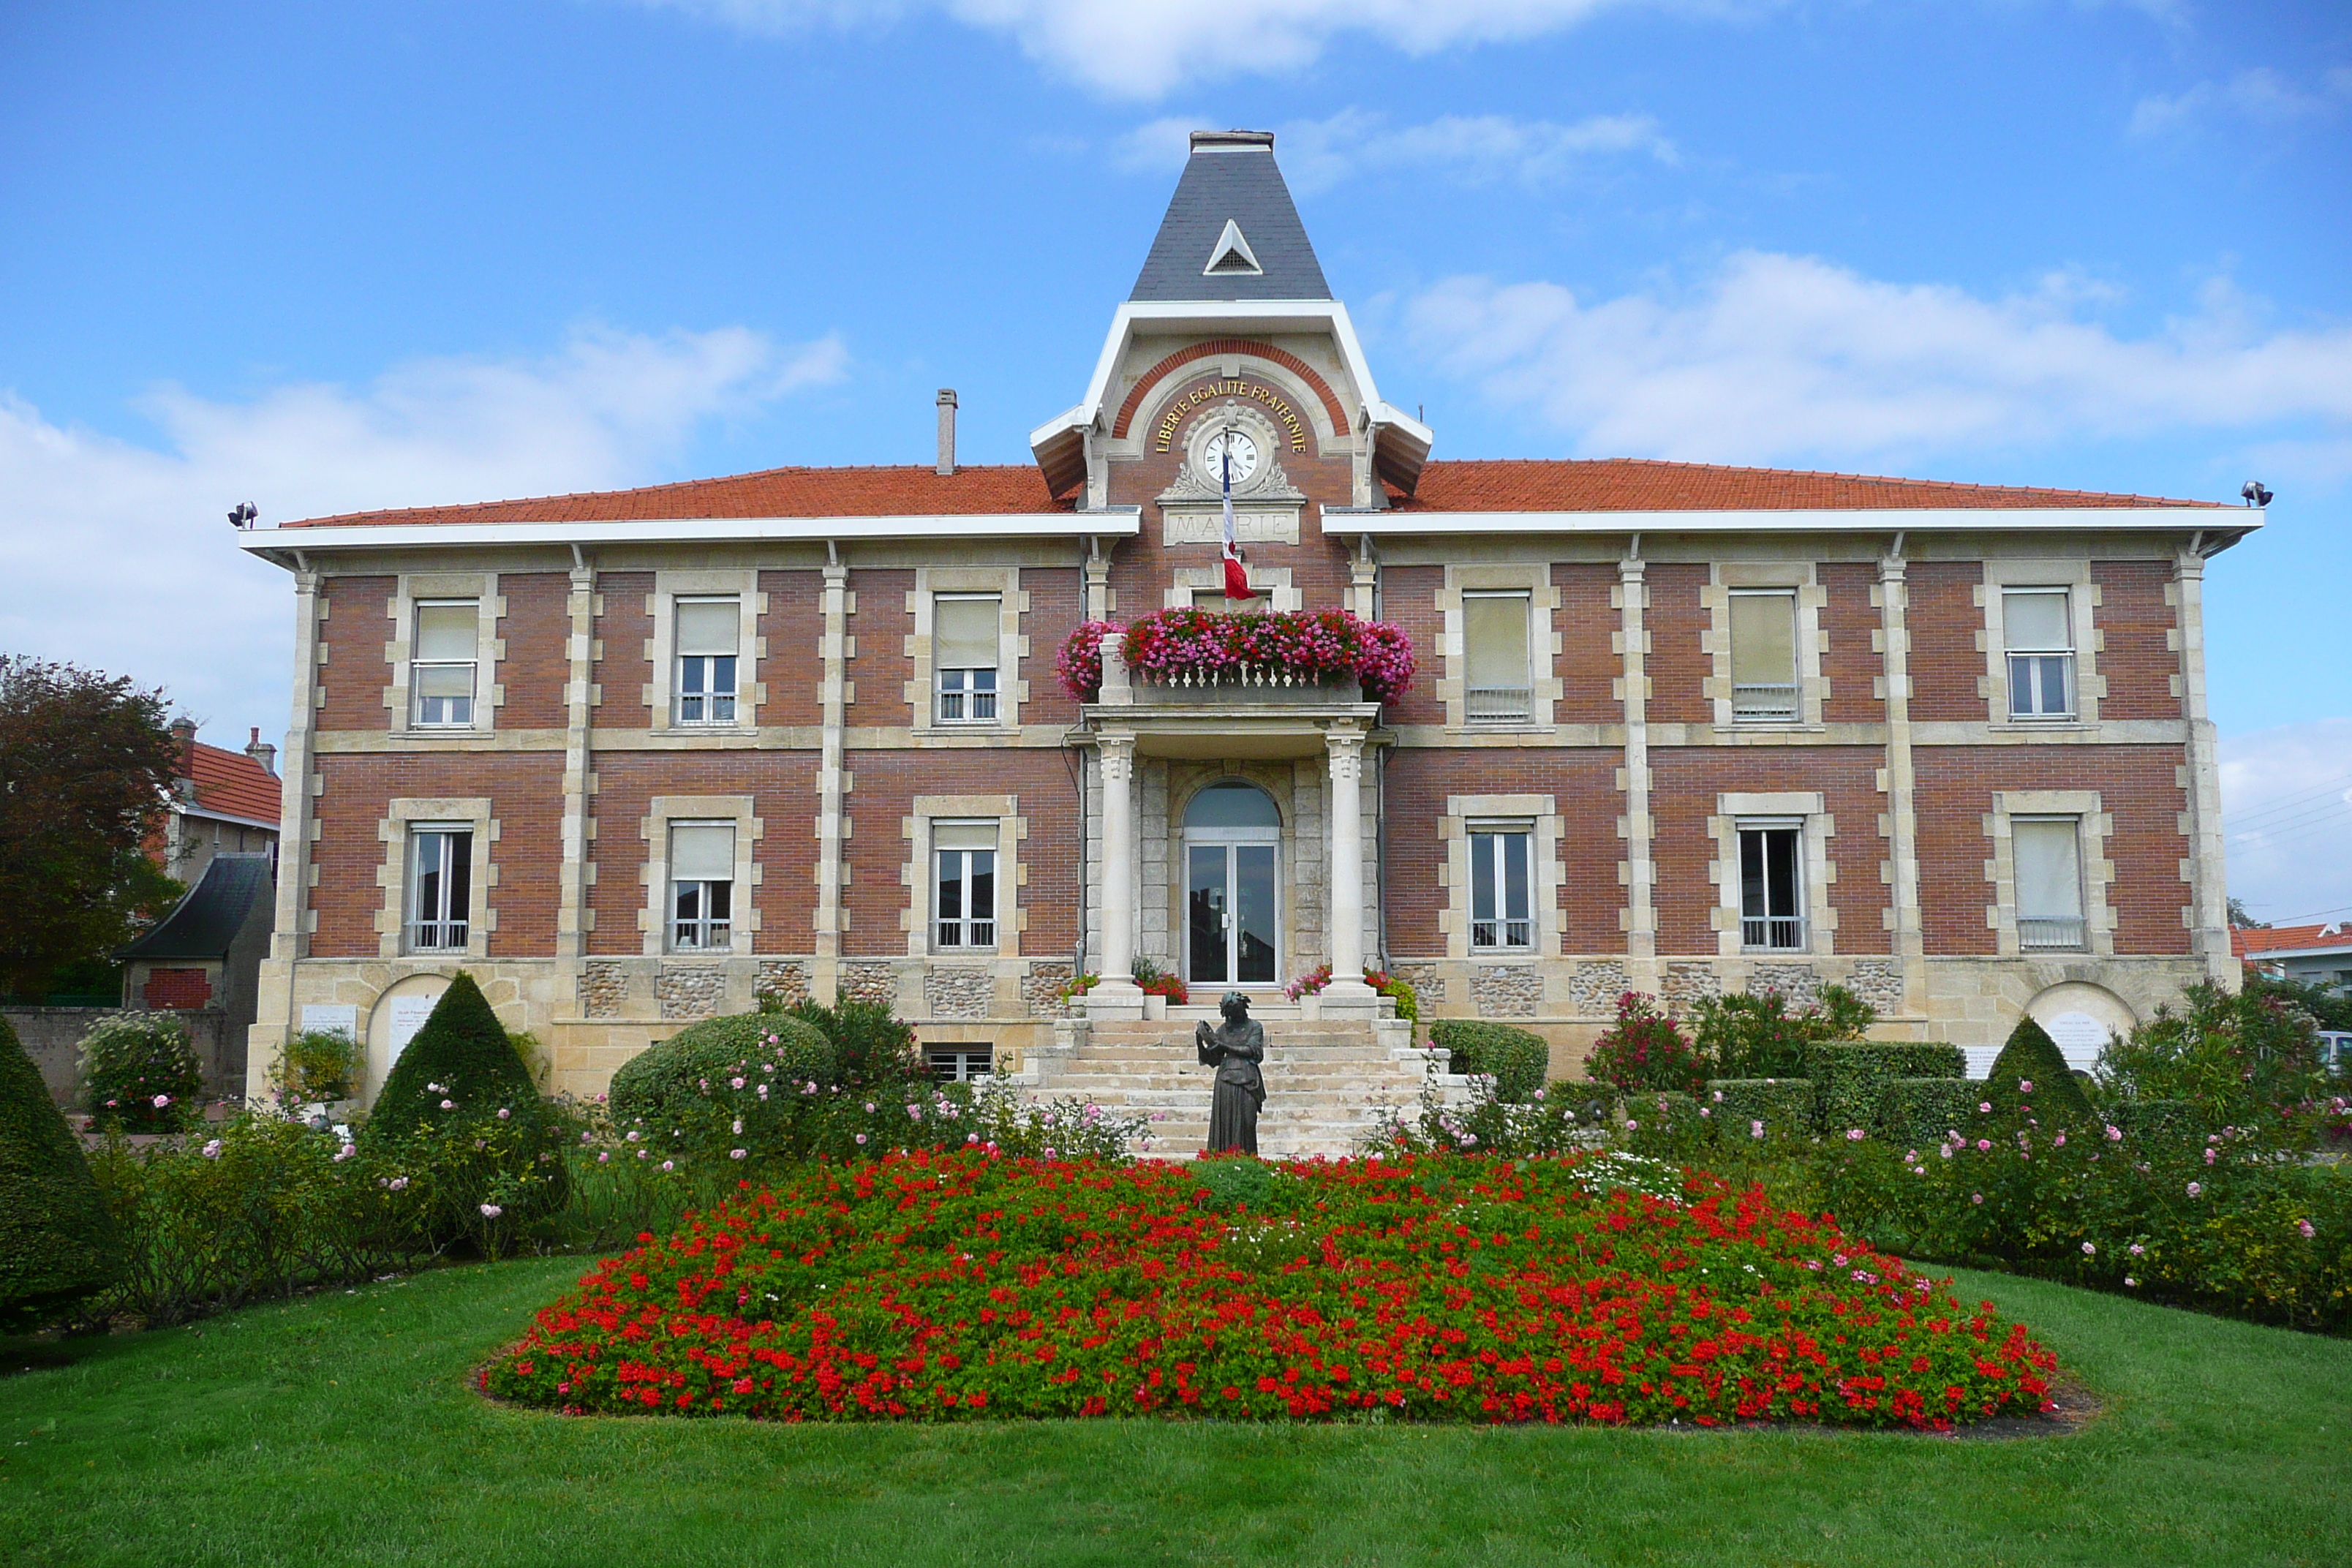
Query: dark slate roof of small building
x,y
1231,176
208,919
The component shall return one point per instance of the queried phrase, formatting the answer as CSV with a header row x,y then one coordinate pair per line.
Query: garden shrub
x,y
1919,1111
1756,1036
660,1083
2156,1119
462,1054
1644,1049
1227,1182
871,1044
317,1065
2033,1058
1559,1119
58,1244
1783,1106
2246,1060
1515,1059
139,1072
1668,1125
1849,1076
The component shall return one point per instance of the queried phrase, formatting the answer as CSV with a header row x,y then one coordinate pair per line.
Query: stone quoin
x,y
635,757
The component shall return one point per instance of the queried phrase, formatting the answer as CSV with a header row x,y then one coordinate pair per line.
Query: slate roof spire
x,y
1231,184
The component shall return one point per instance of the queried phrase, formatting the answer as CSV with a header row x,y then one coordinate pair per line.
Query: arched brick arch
x,y
1216,347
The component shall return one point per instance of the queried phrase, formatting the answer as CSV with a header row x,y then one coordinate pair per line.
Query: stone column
x,y
1117,995
1901,814
1641,873
2208,892
579,702
833,649
1346,995
289,939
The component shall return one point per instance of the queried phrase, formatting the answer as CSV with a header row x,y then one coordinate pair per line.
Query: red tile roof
x,y
234,784
1613,484
2289,939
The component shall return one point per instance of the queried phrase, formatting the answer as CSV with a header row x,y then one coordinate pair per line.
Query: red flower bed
x,y
956,1286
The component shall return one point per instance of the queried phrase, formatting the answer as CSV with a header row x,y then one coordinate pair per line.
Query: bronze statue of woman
x,y
1235,1048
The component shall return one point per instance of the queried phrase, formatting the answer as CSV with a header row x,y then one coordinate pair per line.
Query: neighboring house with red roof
x,y
222,802
2309,955
638,756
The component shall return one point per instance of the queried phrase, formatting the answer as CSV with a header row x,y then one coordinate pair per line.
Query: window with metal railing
x,y
2038,627
1496,666
2047,854
1772,886
965,652
709,642
701,887
1764,656
1502,908
440,888
963,915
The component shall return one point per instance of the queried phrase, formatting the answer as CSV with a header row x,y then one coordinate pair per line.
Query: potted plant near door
x,y
1160,988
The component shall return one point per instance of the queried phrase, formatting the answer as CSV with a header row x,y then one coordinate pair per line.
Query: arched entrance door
x,y
1233,850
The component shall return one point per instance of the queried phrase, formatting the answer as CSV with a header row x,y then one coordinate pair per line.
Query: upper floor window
x,y
963,656
443,655
1496,663
701,887
965,914
2048,861
1502,915
1772,886
2040,634
709,636
440,888
1763,654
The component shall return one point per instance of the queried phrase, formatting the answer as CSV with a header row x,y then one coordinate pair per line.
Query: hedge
x,y
2158,1117
1784,1105
1849,1076
661,1080
58,1244
1920,1110
1665,1124
1514,1057
2033,1057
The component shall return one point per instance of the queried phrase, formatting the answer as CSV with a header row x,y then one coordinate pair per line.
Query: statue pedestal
x,y
1348,999
1116,1000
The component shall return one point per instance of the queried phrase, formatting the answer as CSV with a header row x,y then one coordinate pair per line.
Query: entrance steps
x,y
1328,1081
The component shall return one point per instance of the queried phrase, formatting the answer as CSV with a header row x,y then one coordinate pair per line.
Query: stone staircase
x,y
1327,1081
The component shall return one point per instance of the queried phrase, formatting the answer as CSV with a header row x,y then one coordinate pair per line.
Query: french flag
x,y
1236,577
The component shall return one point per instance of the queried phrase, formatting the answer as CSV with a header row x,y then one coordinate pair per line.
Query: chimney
x,y
946,429
266,755
184,729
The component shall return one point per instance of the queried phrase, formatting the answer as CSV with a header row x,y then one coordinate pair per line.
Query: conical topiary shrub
x,y
2033,1057
57,1243
463,1048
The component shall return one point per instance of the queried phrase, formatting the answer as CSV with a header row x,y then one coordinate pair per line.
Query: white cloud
x,y
1777,358
2286,809
1317,155
2259,93
1144,51
119,555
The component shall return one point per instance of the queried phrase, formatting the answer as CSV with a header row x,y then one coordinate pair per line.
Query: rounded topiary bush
x,y
464,1051
1515,1058
56,1241
139,1072
2033,1057
661,1081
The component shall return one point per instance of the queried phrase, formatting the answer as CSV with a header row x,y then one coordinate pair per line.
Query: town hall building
x,y
638,757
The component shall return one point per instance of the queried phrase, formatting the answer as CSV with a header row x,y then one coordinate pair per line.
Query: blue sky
x,y
363,255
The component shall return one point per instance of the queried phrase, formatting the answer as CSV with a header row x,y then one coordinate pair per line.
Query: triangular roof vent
x,y
1233,254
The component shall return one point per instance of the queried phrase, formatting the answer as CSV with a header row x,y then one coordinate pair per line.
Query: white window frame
x,y
1502,705
964,1054
1759,712
402,709
711,694
2033,932
1497,930
2093,828
1753,927
2036,663
442,921
703,932
963,932
418,665
959,688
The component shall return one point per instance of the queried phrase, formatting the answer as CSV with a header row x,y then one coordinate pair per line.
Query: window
x,y
1772,886
2048,882
707,637
1763,656
964,915
701,887
441,664
960,1064
440,888
963,657
1494,656
1501,914
2040,634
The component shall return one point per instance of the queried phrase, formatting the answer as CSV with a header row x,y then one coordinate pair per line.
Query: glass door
x,y
1231,919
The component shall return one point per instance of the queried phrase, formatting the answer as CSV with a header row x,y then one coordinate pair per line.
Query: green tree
x,y
58,1244
461,1055
86,761
2031,1069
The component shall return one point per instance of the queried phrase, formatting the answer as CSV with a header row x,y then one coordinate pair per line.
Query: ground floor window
x,y
959,1063
964,911
2048,882
1772,886
702,886
440,888
1501,882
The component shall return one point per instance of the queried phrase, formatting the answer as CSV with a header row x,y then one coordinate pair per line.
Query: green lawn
x,y
344,1429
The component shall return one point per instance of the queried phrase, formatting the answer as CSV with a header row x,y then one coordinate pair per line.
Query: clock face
x,y
1235,445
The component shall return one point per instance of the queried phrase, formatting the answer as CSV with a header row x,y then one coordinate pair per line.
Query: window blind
x,y
702,852
963,634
